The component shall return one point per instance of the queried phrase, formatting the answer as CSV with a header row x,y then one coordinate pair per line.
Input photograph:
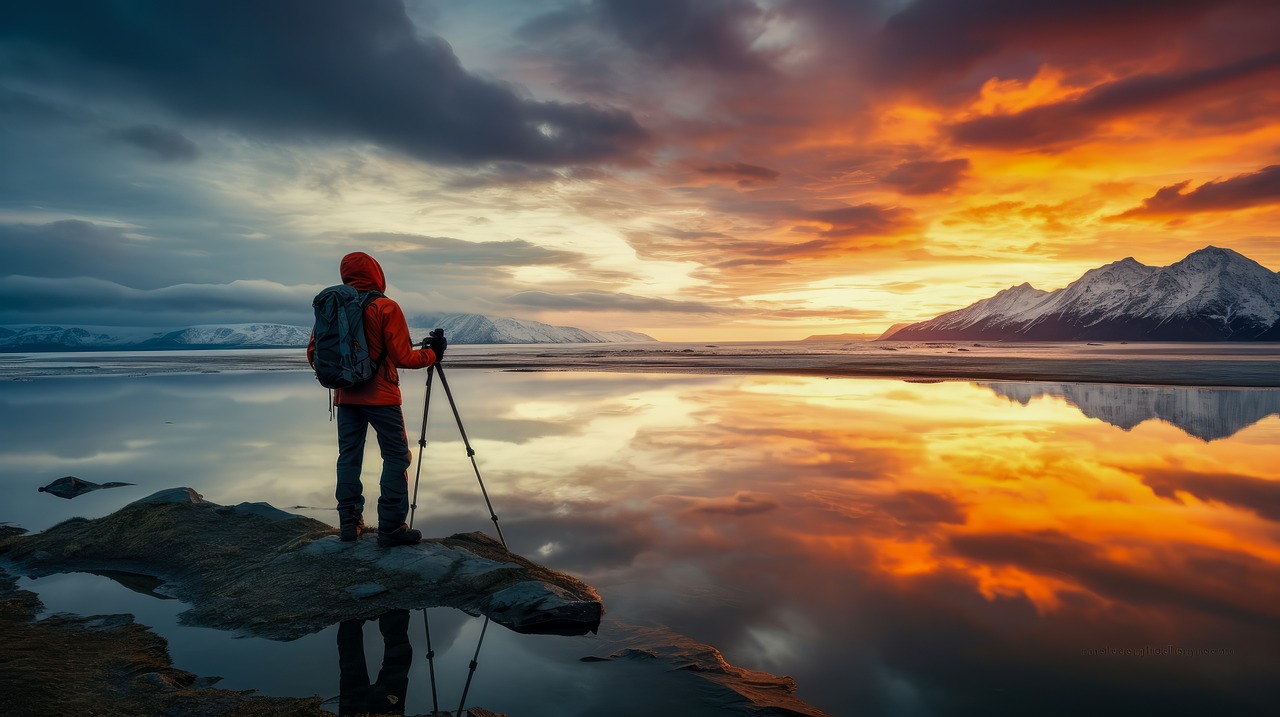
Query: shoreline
x,y
1256,367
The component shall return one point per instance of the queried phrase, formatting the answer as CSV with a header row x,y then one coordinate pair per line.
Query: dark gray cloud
x,y
446,251
161,142
927,177
82,300
929,40
714,35
841,220
154,257
747,175
739,505
19,105
1075,119
916,506
64,249
1214,581
1256,495
861,220
295,68
1239,192
607,301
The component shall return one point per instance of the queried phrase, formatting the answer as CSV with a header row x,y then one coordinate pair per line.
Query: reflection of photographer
x,y
386,695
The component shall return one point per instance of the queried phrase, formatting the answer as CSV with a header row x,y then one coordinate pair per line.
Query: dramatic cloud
x,y
334,70
716,34
446,252
746,174
913,506
84,300
835,221
931,39
604,301
163,143
1239,192
703,34
1075,119
695,169
1217,589
124,255
926,177
740,504
1256,495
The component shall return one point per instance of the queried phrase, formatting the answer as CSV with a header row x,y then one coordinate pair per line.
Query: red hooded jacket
x,y
388,336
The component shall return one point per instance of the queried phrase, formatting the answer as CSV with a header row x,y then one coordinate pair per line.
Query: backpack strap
x,y
366,300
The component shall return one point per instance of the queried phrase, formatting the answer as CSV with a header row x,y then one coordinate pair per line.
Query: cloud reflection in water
x,y
899,548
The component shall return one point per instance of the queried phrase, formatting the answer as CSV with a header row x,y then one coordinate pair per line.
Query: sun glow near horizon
x,y
755,169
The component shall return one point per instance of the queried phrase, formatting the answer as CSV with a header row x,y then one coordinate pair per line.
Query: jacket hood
x,y
363,272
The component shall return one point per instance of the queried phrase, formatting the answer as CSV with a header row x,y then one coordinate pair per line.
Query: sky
x,y
693,169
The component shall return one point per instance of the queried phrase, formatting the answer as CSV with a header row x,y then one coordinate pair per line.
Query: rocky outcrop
x,y
736,690
108,665
255,569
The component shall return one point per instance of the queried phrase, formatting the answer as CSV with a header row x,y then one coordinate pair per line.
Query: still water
x,y
898,548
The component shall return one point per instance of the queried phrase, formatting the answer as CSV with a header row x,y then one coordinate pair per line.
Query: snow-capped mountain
x,y
242,335
1211,295
459,328
61,338
478,329
1206,413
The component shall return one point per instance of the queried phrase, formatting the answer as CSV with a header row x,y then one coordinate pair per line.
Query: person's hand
x,y
437,343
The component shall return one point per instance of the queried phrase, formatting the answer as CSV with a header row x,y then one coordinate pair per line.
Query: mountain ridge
x,y
1212,294
459,328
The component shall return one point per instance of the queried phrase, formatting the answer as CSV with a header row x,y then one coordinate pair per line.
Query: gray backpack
x,y
341,357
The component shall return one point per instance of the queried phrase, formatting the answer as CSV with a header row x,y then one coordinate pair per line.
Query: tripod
x,y
432,371
431,664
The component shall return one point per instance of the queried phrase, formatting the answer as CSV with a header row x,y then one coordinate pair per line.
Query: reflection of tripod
x,y
431,666
432,370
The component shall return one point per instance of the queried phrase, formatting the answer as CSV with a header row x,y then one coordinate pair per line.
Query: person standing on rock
x,y
376,402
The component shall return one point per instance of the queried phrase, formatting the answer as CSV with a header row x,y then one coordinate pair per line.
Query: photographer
x,y
376,402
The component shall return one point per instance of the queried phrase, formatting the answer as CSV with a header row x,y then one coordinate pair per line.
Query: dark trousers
x,y
353,426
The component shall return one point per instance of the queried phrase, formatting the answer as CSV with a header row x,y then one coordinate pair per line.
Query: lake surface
x,y
898,548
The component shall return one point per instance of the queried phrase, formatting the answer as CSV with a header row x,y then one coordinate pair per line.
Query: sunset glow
x,y
744,169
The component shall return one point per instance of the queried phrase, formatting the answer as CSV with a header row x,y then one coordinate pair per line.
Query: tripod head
x,y
436,342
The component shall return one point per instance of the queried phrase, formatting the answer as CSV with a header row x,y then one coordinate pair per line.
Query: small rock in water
x,y
71,486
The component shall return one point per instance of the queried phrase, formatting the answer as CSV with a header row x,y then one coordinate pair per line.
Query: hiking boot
x,y
404,535
351,530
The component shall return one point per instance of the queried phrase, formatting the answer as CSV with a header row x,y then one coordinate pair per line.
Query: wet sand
x,y
1227,365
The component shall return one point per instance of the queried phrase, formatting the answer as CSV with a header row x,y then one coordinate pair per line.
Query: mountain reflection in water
x,y
1206,413
897,548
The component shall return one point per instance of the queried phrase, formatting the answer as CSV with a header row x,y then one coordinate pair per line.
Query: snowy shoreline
x,y
1222,365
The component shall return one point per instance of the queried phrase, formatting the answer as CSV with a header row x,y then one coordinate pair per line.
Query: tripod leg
x,y
471,453
431,662
422,443
471,669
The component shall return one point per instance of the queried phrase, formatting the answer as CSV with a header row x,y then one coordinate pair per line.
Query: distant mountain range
x,y
1206,413
459,328
1211,295
477,329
